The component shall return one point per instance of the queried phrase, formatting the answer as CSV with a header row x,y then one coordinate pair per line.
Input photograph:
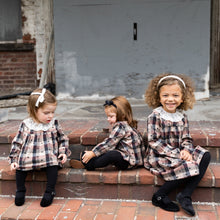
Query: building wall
x,y
22,59
96,53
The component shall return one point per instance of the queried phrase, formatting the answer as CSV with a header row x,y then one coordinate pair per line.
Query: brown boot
x,y
76,164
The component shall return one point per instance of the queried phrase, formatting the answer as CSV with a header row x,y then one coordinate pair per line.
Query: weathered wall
x,y
22,59
96,53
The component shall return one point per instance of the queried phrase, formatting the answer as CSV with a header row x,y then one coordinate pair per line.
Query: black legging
x,y
111,157
51,173
189,183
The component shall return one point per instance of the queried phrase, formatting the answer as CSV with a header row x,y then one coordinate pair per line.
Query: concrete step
x,y
108,183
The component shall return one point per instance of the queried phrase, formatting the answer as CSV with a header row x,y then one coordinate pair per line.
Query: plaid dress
x,y
168,134
125,139
38,145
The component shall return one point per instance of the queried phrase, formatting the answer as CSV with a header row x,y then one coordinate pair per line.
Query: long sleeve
x,y
16,144
111,142
187,142
63,140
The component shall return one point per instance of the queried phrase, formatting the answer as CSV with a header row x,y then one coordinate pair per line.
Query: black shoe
x,y
19,198
186,203
165,203
47,199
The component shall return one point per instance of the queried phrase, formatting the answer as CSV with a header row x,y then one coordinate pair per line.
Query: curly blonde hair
x,y
152,94
123,110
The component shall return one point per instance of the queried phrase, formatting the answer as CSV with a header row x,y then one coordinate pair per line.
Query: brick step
x,y
84,134
108,183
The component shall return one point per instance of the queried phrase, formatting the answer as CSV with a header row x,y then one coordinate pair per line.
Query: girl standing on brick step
x,y
171,154
123,148
39,143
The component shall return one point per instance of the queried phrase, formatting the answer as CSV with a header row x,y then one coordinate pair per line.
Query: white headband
x,y
41,96
172,76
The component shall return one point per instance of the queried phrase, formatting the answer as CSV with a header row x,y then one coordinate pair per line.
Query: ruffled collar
x,y
29,122
174,117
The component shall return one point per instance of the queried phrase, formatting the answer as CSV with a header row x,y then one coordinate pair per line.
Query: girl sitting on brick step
x,y
39,143
171,154
123,148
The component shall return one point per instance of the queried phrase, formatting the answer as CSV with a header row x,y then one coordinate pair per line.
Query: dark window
x,y
10,20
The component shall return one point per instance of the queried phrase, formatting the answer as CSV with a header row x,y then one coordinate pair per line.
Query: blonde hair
x,y
152,94
49,98
123,110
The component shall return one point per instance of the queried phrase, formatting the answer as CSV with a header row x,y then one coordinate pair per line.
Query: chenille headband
x,y
41,96
171,76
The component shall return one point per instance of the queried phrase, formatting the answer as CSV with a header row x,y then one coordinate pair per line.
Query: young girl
x,y
171,154
39,143
124,147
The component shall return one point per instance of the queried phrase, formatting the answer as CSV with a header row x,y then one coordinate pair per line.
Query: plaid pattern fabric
x,y
166,139
33,149
126,140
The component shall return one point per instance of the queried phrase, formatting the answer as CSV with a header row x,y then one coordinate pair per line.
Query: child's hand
x,y
14,166
63,158
185,155
88,156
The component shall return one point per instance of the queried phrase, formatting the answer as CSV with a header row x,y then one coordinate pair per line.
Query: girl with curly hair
x,y
171,154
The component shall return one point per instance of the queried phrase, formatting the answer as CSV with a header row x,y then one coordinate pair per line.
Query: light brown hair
x,y
152,94
123,110
49,98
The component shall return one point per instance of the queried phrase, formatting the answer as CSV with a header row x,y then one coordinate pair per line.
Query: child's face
x,y
171,97
111,116
46,113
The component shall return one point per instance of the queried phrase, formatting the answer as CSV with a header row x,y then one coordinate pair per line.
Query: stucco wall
x,y
96,54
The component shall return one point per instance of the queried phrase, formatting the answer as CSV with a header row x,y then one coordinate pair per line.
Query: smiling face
x,y
46,113
171,97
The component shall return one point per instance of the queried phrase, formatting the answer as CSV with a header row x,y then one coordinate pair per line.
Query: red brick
x,y
128,177
72,205
74,138
207,180
145,177
89,138
110,177
87,212
77,175
93,176
66,215
126,213
49,212
162,214
108,207
104,217
215,168
207,215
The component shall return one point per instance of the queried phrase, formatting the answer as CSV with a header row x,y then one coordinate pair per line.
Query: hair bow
x,y
110,102
40,98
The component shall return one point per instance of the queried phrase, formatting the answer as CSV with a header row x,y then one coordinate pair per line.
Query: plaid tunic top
x,y
38,145
168,134
126,140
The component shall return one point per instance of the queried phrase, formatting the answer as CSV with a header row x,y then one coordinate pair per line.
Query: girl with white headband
x,y
39,143
171,154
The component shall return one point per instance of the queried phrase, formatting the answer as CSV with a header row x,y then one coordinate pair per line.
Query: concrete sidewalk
x,y
206,110
94,209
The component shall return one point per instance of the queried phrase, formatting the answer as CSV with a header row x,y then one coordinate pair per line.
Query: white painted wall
x,y
95,52
39,24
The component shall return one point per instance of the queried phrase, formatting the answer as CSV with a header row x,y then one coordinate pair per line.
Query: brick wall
x,y
17,70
